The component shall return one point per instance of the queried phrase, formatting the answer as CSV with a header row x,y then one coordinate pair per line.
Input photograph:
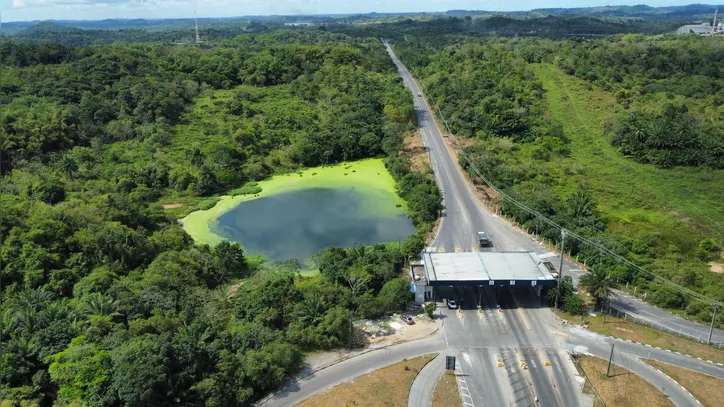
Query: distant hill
x,y
691,11
47,27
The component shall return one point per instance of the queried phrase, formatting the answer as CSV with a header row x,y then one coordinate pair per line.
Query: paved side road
x,y
425,382
327,378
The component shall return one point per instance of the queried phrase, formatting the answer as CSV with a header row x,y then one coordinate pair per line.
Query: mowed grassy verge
x,y
623,388
678,205
638,333
389,386
446,391
707,389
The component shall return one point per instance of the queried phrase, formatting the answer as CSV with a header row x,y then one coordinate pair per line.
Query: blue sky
x,y
24,10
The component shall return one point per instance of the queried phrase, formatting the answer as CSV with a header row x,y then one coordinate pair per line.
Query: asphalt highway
x,y
523,380
521,331
463,216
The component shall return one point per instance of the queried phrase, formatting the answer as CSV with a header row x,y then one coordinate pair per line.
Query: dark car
x,y
483,239
408,320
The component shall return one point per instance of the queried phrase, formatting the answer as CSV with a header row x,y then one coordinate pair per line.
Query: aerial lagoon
x,y
298,214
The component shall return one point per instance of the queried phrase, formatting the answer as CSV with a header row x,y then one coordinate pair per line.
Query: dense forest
x,y
106,301
664,122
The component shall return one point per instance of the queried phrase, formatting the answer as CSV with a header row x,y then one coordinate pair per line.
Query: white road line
x,y
463,389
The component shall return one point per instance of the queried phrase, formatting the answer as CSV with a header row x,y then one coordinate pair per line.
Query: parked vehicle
x,y
408,320
452,304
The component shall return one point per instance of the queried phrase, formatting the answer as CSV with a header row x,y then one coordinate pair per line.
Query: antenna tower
x,y
713,23
196,20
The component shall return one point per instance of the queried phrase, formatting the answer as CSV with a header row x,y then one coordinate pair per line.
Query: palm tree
x,y
599,284
67,165
582,208
32,299
311,310
98,304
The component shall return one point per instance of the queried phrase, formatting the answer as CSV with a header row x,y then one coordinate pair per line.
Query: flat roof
x,y
484,267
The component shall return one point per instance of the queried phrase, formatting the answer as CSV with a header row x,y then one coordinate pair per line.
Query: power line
x,y
540,216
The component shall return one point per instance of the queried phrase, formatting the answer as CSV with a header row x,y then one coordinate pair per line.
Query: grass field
x,y
389,386
677,206
446,391
623,388
707,389
638,333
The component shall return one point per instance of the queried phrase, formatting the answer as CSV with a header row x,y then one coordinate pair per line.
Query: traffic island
x,y
621,389
446,391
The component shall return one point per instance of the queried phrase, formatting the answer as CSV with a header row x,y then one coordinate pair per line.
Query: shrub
x,y
250,188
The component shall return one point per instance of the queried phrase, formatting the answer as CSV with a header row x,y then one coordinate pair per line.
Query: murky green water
x,y
299,224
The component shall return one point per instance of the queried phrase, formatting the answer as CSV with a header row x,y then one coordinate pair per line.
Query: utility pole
x,y
711,328
610,358
560,267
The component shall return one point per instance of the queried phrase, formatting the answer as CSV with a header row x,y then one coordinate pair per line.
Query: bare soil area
x,y
172,205
414,148
392,329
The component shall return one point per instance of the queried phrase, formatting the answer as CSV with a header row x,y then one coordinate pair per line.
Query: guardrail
x,y
694,336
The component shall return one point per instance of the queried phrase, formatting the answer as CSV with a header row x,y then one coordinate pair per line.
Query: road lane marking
x,y
461,389
525,320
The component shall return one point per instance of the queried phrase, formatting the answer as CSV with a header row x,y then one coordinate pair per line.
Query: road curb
x,y
642,360
658,348
409,390
643,344
336,362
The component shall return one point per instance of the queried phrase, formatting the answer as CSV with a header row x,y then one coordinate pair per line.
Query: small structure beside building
x,y
419,286
700,29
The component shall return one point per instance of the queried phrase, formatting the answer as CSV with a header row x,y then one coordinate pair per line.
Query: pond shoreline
x,y
367,178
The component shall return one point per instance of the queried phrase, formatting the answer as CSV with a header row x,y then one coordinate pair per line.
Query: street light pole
x,y
610,358
560,267
711,328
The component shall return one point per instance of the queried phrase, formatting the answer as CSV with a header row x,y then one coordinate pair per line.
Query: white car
x,y
452,304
